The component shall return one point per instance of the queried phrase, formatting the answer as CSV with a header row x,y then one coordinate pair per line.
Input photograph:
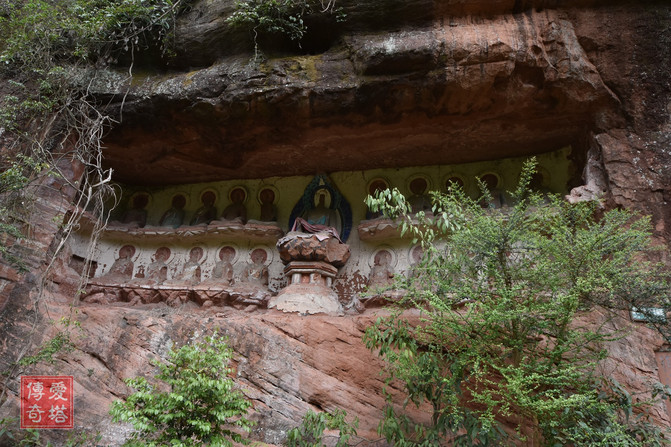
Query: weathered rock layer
x,y
442,91
400,84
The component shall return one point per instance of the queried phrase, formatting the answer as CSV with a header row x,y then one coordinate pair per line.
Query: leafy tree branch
x,y
506,332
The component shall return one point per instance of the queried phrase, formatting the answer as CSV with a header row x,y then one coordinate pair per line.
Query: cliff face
x,y
400,83
442,91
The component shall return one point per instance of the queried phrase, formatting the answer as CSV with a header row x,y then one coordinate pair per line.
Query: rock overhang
x,y
449,92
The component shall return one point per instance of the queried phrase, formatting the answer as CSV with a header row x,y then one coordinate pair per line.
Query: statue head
x,y
178,201
259,256
208,198
140,201
267,196
377,186
126,252
490,180
162,254
418,186
382,257
238,195
320,198
539,181
195,254
227,253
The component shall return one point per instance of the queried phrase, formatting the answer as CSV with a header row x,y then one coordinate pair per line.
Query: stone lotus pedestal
x,y
312,262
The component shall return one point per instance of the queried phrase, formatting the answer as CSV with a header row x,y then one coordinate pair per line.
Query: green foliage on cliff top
x,y
35,31
41,39
517,311
286,17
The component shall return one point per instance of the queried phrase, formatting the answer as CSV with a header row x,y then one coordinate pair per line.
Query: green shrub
x,y
35,31
201,407
284,17
311,431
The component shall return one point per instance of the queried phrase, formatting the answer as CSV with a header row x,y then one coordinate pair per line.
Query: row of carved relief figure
x,y
174,216
236,211
151,283
224,286
419,200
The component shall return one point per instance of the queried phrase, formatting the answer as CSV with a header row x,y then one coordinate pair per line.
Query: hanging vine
x,y
50,120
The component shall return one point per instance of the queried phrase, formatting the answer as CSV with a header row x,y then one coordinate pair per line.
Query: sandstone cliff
x,y
398,84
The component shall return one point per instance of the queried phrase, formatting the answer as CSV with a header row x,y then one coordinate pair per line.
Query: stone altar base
x,y
309,290
240,295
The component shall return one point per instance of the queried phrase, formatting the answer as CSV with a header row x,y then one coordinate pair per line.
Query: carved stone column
x,y
312,262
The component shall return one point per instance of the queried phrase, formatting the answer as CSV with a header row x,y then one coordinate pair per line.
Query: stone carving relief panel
x,y
180,276
154,240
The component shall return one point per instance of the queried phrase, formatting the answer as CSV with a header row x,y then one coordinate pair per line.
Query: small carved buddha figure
x,y
215,290
154,275
268,209
119,274
375,187
188,277
253,285
137,215
321,214
236,211
319,218
191,272
122,269
157,271
256,272
419,200
382,274
174,216
223,269
206,213
380,282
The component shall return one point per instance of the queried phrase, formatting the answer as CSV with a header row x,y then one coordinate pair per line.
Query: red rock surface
x,y
438,93
422,82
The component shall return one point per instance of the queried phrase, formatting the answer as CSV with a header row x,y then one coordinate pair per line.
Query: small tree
x,y
502,335
311,431
202,406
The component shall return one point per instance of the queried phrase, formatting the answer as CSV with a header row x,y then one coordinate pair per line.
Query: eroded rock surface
x,y
284,363
417,82
441,92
